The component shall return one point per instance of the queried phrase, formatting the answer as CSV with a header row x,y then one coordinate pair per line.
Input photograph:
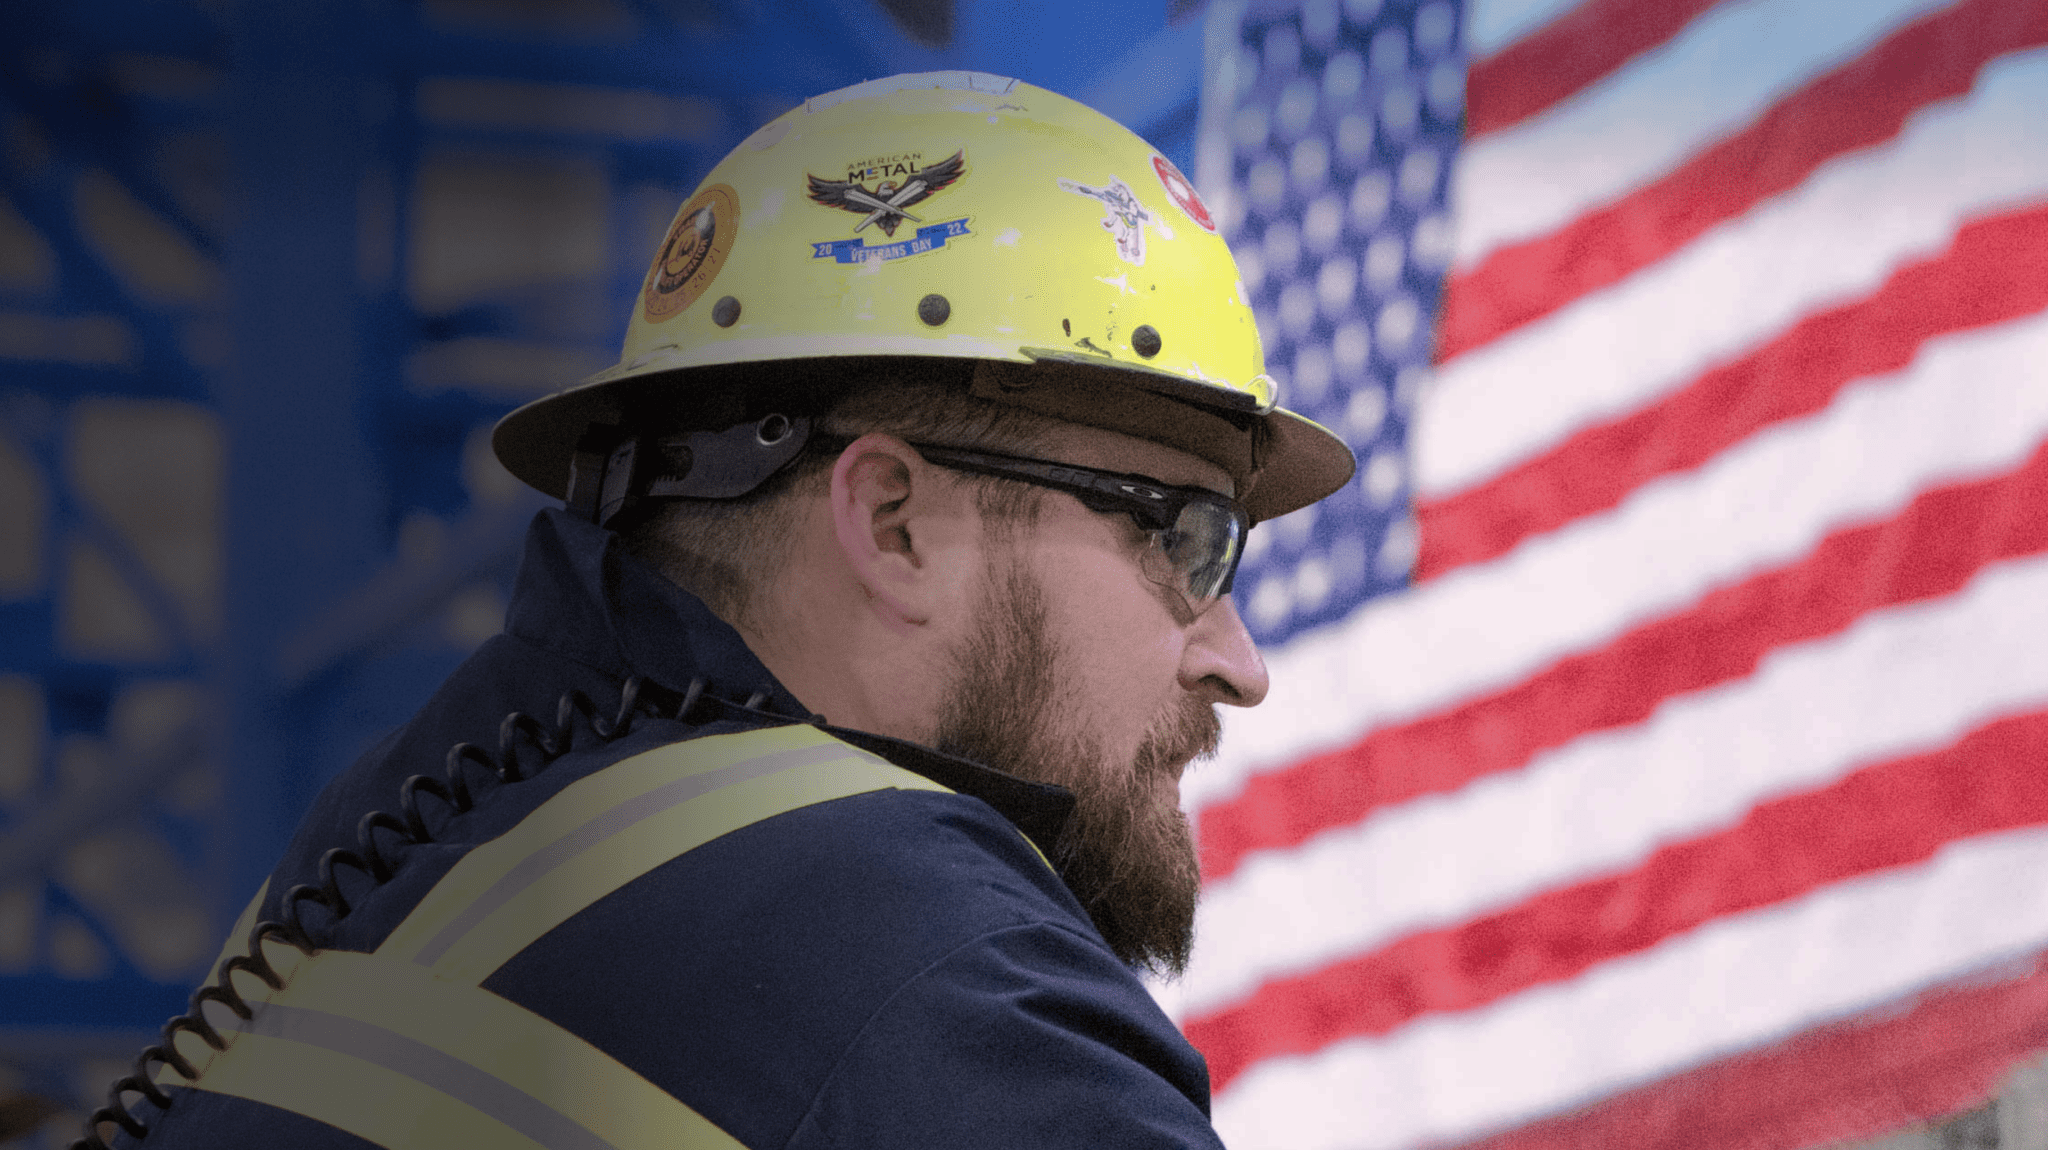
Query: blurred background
x,y
268,275
1656,755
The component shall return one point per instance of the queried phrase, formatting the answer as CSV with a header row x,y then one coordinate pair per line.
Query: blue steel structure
x,y
227,220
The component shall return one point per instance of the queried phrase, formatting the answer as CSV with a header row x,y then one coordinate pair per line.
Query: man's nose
x,y
1221,663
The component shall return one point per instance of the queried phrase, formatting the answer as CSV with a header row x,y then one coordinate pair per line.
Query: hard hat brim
x,y
1280,460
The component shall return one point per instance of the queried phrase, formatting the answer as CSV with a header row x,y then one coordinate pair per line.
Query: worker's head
x,y
944,392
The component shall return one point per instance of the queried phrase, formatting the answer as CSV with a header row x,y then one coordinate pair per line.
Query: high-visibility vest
x,y
405,1049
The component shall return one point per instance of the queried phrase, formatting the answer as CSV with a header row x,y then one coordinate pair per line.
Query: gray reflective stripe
x,y
644,806
483,1092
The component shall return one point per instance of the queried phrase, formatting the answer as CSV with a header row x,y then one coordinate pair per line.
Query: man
x,y
822,790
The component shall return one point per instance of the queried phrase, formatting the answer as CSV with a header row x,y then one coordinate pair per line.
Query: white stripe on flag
x,y
1652,115
1491,27
1972,405
1834,239
1733,984
1901,681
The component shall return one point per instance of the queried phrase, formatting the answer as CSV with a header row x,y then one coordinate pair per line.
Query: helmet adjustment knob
x,y
1145,340
934,310
726,312
773,430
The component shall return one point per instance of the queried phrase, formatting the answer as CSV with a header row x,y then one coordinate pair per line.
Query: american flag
x,y
1693,789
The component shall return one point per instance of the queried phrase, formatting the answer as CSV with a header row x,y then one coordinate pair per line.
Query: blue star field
x,y
1342,121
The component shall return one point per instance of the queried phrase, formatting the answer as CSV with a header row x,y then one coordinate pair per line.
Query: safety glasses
x,y
1197,534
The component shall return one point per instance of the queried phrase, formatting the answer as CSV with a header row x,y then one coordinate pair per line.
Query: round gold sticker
x,y
693,252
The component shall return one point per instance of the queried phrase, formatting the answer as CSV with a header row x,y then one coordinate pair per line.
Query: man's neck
x,y
824,651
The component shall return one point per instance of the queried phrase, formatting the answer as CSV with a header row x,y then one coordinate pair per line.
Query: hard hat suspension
x,y
612,472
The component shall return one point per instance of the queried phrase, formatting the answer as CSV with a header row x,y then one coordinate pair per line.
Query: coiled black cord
x,y
525,748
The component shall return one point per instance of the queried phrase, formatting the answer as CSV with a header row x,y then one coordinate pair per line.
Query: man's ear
x,y
882,500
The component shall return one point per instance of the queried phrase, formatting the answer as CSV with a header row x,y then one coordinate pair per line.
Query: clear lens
x,y
1198,554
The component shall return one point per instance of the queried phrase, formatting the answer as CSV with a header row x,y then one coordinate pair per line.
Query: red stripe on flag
x,y
1939,1052
1890,815
1993,271
1855,106
1567,56
1931,548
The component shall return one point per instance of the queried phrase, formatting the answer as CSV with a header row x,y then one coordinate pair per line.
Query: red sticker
x,y
1182,193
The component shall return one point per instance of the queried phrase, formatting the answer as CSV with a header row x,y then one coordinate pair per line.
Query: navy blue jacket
x,y
893,969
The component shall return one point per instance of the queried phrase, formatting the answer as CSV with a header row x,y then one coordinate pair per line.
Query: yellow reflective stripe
x,y
382,1107
577,804
618,858
405,1049
386,1051
239,933
604,831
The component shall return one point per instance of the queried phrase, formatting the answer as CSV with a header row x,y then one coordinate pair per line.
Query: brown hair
x,y
722,550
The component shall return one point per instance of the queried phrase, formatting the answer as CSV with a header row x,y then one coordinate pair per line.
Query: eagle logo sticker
x,y
903,183
693,251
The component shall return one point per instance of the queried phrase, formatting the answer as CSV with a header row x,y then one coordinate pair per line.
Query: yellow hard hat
x,y
961,215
